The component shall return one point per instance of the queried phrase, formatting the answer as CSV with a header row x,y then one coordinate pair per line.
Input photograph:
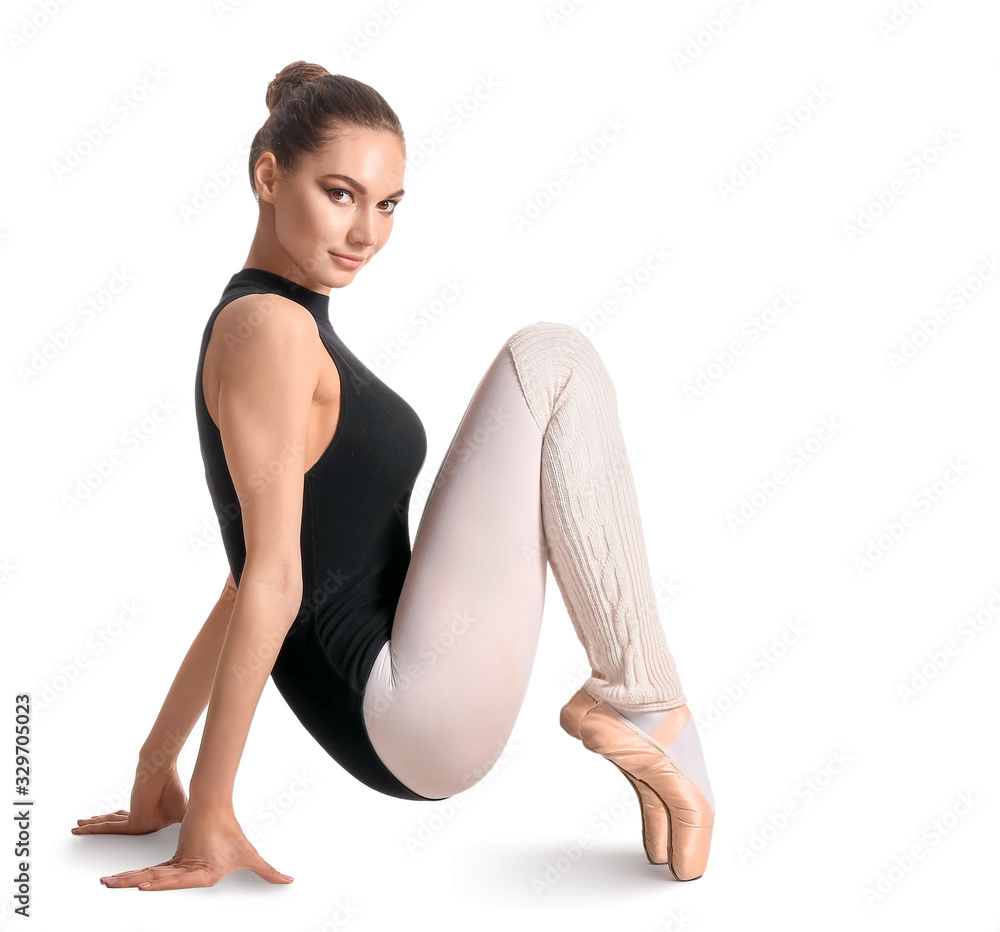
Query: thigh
x,y
445,691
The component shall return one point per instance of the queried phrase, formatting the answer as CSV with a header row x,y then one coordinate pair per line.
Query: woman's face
x,y
339,202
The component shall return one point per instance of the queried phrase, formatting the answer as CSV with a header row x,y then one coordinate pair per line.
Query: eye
x,y
332,191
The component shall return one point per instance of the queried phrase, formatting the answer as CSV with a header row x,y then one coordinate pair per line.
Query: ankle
x,y
662,725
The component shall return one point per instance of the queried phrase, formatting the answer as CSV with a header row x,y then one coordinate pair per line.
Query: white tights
x,y
537,471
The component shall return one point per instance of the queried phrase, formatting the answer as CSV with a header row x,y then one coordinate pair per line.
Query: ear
x,y
265,174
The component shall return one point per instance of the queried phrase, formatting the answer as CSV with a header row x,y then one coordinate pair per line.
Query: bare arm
x,y
158,797
190,690
267,378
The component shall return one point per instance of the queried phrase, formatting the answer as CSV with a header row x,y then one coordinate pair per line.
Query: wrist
x,y
209,807
159,751
208,797
154,763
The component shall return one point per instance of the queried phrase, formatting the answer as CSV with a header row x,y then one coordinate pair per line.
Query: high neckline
x,y
317,304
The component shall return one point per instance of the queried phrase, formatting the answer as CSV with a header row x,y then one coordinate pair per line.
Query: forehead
x,y
376,160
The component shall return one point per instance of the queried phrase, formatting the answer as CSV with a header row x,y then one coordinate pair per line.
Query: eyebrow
x,y
359,185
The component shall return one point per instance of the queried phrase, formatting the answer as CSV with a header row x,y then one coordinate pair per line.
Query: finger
x,y
118,827
181,879
94,820
109,816
129,878
269,873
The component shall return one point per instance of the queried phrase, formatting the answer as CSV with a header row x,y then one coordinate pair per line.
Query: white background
x,y
520,95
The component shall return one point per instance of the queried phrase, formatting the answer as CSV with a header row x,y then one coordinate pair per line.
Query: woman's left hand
x,y
210,846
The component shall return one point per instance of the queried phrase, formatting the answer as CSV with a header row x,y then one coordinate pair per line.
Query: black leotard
x,y
355,540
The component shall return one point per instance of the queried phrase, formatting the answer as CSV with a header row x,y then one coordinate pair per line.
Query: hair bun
x,y
291,76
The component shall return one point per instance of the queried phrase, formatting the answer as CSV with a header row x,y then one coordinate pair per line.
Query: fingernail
x,y
110,881
287,877
143,886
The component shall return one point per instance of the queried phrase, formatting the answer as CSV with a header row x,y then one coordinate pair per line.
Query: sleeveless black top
x,y
355,539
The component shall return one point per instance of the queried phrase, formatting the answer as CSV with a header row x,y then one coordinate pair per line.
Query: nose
x,y
363,230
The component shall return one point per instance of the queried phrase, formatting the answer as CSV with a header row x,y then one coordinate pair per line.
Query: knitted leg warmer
x,y
590,514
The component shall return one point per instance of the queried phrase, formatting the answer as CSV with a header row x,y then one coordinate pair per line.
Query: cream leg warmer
x,y
591,518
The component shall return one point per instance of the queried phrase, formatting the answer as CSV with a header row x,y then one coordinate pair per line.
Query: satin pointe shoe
x,y
675,774
654,816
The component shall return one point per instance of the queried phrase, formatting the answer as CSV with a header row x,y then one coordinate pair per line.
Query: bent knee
x,y
554,346
553,333
550,357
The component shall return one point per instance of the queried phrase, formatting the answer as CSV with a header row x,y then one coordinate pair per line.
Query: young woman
x,y
409,668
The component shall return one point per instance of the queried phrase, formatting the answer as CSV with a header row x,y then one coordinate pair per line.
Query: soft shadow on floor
x,y
538,873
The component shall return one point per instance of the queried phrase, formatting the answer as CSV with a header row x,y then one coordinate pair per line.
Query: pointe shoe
x,y
682,790
654,816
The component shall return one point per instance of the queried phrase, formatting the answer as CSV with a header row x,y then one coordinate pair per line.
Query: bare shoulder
x,y
258,326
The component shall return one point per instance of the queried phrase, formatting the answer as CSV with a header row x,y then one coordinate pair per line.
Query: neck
x,y
317,303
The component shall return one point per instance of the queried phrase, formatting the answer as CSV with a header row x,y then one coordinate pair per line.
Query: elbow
x,y
278,583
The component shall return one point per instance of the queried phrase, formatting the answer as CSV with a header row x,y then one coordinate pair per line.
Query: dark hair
x,y
308,109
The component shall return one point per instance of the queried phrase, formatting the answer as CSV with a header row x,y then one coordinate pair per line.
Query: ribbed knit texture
x,y
590,514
